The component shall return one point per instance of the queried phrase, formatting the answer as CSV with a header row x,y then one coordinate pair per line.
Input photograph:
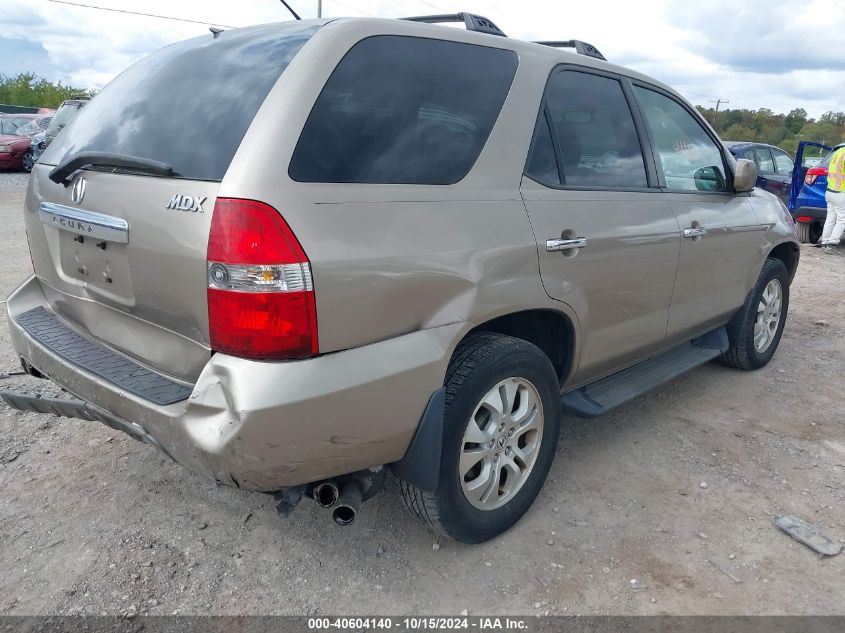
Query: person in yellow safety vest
x,y
834,224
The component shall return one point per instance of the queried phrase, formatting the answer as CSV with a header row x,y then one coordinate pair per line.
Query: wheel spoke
x,y
493,487
515,475
476,435
476,488
507,392
470,457
493,403
529,423
526,406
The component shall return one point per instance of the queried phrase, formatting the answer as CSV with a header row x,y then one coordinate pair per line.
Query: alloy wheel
x,y
768,316
501,443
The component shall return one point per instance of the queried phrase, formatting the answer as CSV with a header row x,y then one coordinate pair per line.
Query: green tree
x,y
796,119
786,131
28,89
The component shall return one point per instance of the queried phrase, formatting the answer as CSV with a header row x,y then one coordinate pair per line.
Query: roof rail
x,y
471,21
582,48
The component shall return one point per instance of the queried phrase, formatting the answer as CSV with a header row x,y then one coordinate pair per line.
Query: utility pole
x,y
718,102
319,8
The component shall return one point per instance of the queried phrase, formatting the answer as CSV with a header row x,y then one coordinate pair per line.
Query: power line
x,y
288,7
148,15
718,102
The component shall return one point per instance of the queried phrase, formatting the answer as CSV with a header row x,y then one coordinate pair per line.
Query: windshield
x,y
63,116
187,105
11,126
30,128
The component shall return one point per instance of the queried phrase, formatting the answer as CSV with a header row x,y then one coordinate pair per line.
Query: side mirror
x,y
745,176
709,179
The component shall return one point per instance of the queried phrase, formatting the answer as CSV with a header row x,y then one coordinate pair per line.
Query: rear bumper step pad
x,y
119,370
608,393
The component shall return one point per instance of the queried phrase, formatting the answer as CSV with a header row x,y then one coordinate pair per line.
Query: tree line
x,y
30,90
783,130
763,125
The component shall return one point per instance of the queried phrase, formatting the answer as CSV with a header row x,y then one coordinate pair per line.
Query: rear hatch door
x,y
120,248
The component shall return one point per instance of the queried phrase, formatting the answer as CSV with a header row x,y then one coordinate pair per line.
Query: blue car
x,y
774,166
806,195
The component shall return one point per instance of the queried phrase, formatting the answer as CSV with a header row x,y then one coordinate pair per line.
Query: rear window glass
x,y
64,115
188,105
404,110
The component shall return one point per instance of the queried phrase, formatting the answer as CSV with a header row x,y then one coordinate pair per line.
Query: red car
x,y
15,147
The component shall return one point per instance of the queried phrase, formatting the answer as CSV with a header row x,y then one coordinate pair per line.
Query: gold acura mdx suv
x,y
298,257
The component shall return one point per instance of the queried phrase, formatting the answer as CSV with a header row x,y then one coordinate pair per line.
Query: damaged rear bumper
x,y
70,408
259,425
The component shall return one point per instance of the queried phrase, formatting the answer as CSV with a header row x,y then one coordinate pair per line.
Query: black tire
x,y
27,163
742,353
808,232
478,364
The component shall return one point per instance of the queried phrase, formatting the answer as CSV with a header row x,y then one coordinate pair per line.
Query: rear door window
x,y
404,110
187,105
596,137
763,158
783,162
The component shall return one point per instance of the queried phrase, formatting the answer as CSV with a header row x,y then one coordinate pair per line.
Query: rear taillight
x,y
804,219
260,293
813,173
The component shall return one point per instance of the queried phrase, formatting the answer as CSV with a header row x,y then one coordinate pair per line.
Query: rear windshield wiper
x,y
62,172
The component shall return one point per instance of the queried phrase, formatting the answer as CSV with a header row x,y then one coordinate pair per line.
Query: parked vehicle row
x,y
774,165
23,137
799,183
16,134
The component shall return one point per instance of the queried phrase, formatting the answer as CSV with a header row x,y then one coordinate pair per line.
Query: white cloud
x,y
755,55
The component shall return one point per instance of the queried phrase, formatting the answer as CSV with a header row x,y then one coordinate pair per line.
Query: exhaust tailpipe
x,y
326,493
348,503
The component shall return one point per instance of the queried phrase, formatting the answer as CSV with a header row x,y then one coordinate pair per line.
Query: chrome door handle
x,y
553,246
694,232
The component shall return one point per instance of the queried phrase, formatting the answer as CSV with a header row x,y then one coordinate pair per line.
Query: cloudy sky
x,y
758,53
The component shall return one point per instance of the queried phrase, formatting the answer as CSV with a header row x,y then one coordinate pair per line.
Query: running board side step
x,y
599,397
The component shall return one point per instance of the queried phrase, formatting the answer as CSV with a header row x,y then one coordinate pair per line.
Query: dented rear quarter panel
x,y
392,259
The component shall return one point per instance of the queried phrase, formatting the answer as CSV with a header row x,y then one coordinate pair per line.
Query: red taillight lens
x,y
812,174
260,295
804,218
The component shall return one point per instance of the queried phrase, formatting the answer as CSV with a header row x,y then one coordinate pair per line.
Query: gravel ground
x,y
664,507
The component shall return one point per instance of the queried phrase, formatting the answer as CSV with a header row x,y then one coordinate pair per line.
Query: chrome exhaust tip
x,y
348,504
326,493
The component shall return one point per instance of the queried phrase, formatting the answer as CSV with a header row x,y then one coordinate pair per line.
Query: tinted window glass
x,y
763,158
188,105
404,110
542,164
746,154
783,162
64,115
691,160
598,141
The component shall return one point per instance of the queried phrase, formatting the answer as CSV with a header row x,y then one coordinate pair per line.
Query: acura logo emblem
x,y
78,191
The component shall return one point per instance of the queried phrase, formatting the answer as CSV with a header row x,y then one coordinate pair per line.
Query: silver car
x,y
297,257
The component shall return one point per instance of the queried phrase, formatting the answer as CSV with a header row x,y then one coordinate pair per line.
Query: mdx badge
x,y
187,203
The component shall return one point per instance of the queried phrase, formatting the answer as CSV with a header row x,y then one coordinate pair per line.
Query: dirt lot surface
x,y
665,506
